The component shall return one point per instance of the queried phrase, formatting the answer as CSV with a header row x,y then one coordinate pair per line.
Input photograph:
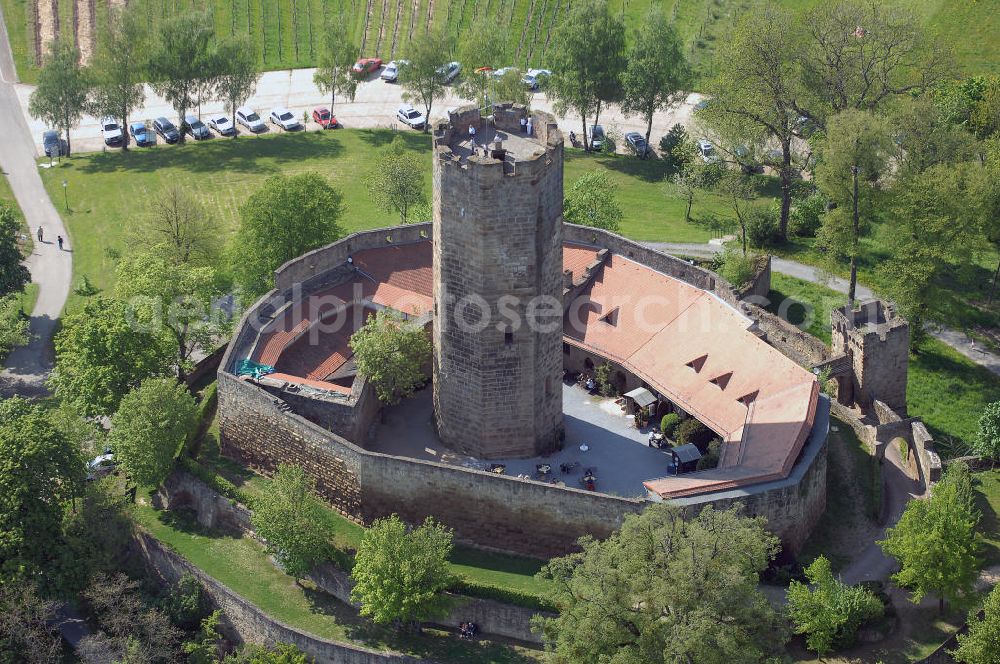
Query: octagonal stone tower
x,y
498,261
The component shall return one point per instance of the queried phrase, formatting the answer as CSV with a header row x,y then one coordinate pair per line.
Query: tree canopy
x,y
592,201
236,76
396,181
391,353
334,75
981,644
987,441
14,276
60,98
666,589
421,81
176,226
288,216
179,58
400,573
119,65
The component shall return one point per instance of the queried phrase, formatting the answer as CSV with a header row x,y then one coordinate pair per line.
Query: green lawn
x,y
988,501
242,565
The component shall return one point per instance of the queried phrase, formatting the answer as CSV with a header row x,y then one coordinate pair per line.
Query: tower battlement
x,y
877,340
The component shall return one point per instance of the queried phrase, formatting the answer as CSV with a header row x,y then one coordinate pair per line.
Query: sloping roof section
x,y
641,396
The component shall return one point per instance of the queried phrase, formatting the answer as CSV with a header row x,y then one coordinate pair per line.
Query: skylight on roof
x,y
697,363
611,318
722,380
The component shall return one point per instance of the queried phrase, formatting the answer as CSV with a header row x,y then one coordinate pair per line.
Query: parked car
x,y
637,142
534,78
222,124
111,132
411,116
365,67
324,118
391,72
595,133
284,118
142,135
101,466
51,143
166,130
192,125
248,118
500,73
449,72
707,151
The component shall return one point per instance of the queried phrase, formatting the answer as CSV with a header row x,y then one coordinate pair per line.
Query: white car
x,y
500,73
248,117
411,116
707,151
391,72
222,124
100,466
534,77
284,118
111,132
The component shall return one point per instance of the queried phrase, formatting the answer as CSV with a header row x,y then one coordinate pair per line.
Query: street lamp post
x,y
65,195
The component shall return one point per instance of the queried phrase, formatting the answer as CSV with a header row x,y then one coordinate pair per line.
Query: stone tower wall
x,y
877,341
497,254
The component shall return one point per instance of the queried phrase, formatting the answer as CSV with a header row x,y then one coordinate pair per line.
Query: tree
x,y
925,137
828,611
987,193
421,81
179,58
139,632
687,182
13,275
118,67
981,644
236,76
480,48
334,75
286,217
205,648
754,95
27,626
279,653
587,61
14,325
42,471
400,574
935,541
291,521
854,161
592,201
61,96
666,589
510,87
102,354
177,227
656,69
396,181
859,53
392,353
151,426
88,550
175,298
987,442
737,188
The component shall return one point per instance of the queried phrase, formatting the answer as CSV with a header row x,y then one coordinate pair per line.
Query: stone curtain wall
x,y
245,623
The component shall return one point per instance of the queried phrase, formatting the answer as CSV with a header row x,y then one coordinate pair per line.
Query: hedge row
x,y
223,486
505,595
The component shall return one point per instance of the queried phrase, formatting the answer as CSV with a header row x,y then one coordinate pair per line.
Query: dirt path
x,y
85,24
413,19
381,27
395,28
48,24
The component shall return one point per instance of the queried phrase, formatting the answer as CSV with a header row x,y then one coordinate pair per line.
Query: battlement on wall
x,y
872,319
876,341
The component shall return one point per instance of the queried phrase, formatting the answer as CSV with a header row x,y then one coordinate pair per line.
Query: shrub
x,y
711,458
602,375
185,603
505,595
736,268
676,148
669,423
694,432
807,215
762,226
84,288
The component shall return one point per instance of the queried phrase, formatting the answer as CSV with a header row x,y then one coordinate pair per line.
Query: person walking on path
x,y
40,234
60,241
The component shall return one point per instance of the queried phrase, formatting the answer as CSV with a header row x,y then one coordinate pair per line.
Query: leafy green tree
x,y
118,67
14,324
924,136
286,217
807,215
61,96
204,649
981,644
42,472
392,353
422,84
151,426
737,189
987,195
510,87
656,69
755,93
27,626
138,632
828,611
279,653
480,48
687,182
177,227
179,59
102,353
175,298
88,550
987,442
333,75
854,163
736,267
592,201
935,541
396,180
14,276
587,60
236,76
666,589
290,520
400,574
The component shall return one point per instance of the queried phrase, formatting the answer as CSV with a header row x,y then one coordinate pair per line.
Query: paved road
x,y
27,366
954,338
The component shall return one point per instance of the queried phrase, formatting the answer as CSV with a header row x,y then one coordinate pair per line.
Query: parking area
x,y
599,436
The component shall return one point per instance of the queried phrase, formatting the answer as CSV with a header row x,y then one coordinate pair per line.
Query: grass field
x,y
243,565
107,190
287,34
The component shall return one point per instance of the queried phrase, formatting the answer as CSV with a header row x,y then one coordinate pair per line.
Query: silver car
x,y
411,116
284,118
391,72
248,117
222,124
449,72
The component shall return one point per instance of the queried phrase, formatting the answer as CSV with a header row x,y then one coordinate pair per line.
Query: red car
x,y
324,118
366,66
